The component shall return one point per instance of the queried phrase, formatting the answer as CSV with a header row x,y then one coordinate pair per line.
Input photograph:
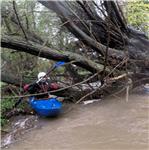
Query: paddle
x,y
18,102
56,65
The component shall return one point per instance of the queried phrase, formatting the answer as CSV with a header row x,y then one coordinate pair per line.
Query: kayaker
x,y
42,85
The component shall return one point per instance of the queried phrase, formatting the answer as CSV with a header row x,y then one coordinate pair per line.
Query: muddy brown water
x,y
111,124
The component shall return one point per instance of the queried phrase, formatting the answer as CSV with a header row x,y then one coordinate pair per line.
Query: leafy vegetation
x,y
7,105
137,14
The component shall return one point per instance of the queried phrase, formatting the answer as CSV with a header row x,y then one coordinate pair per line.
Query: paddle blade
x,y
58,64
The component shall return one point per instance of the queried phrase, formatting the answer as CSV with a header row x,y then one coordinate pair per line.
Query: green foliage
x,y
137,14
7,105
3,121
1,84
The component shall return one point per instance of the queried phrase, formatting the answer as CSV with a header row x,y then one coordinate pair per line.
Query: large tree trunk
x,y
120,52
46,52
83,21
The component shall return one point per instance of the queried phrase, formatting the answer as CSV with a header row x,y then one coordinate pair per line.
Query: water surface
x,y
111,124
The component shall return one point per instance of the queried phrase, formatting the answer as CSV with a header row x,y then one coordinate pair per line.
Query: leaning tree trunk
x,y
115,51
102,27
46,52
86,24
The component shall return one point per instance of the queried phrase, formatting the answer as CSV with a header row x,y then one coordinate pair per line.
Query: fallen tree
x,y
46,52
110,31
112,48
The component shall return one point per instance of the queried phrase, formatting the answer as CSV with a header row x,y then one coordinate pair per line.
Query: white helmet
x,y
41,74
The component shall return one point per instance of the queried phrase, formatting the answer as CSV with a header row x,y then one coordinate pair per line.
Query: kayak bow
x,y
46,107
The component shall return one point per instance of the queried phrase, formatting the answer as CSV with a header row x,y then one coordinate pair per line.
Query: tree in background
x,y
137,15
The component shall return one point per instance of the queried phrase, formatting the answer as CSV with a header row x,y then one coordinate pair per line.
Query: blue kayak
x,y
46,107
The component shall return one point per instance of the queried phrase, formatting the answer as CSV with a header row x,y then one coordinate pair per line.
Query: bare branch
x,y
14,7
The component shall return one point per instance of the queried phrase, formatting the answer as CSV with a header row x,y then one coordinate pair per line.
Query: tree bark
x,y
118,47
131,43
45,52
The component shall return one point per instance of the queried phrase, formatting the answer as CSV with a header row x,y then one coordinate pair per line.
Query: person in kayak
x,y
42,85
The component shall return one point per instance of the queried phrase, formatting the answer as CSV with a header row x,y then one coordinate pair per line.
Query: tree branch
x,y
46,52
14,7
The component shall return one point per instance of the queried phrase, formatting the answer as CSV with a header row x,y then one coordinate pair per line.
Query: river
x,y
111,124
